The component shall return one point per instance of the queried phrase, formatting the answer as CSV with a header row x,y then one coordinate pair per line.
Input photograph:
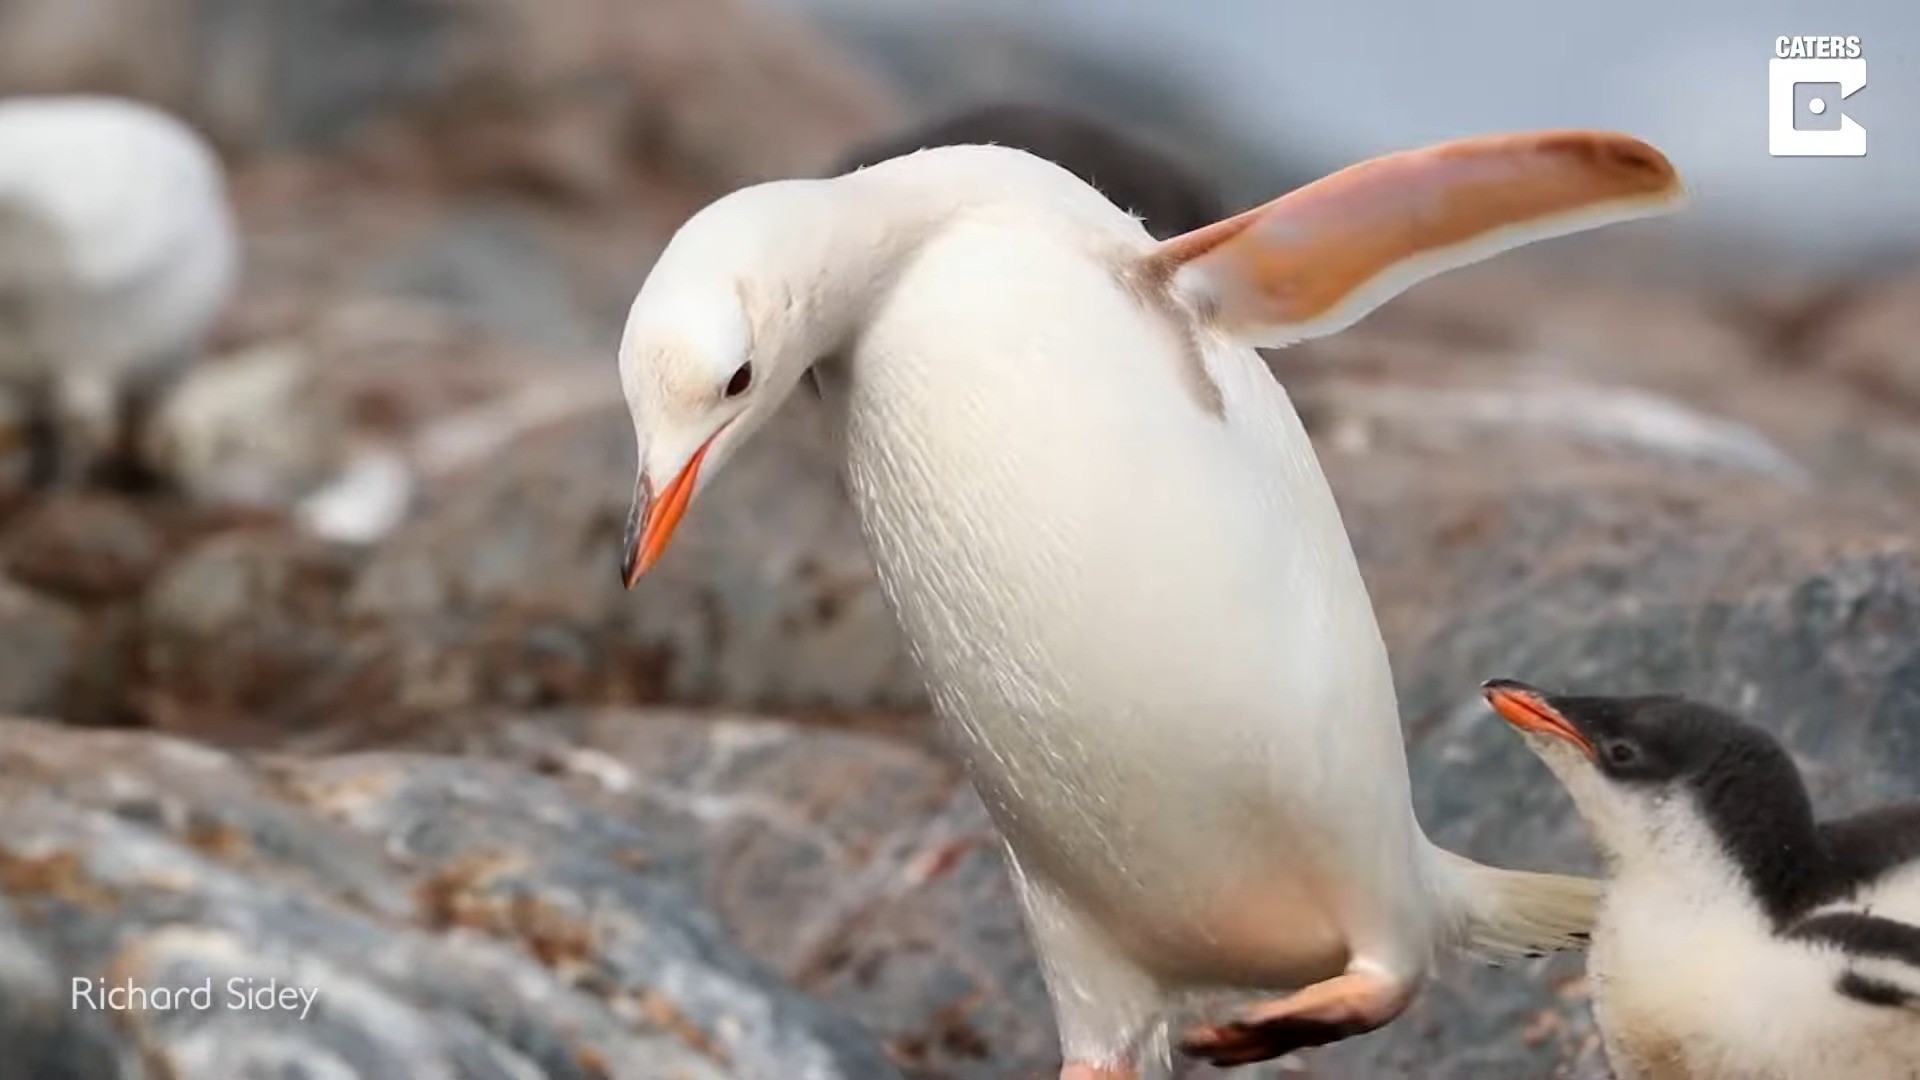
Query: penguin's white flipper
x,y
1319,259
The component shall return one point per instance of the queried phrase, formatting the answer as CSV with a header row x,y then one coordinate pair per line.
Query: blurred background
x,y
343,691
1262,85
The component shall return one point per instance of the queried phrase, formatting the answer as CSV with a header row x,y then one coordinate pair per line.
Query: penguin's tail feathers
x,y
1507,914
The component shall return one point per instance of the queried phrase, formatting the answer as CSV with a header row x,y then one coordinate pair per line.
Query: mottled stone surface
x,y
83,548
246,626
863,870
454,917
765,600
502,591
41,655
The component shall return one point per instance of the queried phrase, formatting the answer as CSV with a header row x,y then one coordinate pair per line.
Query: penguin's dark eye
x,y
742,378
1620,755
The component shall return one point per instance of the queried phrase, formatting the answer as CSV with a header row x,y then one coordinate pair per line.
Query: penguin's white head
x,y
725,325
1665,783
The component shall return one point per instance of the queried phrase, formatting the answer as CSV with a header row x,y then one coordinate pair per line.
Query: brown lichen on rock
x,y
663,1012
217,839
57,875
470,893
456,894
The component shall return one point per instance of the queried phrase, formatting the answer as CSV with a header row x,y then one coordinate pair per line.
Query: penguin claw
x,y
1244,1042
1326,1012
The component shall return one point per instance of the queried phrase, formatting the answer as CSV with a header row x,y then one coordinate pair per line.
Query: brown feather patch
x,y
1152,288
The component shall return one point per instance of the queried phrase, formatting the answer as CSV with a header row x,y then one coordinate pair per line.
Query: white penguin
x,y
1739,938
1104,531
118,251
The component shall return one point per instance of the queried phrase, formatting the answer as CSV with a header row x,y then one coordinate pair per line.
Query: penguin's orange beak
x,y
655,515
1528,709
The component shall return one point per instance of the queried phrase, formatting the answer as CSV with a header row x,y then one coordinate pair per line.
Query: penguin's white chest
x,y
1691,990
1144,622
1666,976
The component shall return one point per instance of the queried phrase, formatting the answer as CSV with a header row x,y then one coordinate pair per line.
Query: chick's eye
x,y
1622,753
742,378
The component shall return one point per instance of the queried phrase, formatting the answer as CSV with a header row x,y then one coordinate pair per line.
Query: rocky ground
x,y
519,823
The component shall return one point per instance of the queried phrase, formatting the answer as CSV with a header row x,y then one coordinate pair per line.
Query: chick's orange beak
x,y
1527,709
651,523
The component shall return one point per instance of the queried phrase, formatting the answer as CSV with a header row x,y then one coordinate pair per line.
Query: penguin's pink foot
x,y
1326,1012
1083,1070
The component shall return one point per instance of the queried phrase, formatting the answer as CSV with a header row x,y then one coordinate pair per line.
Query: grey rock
x,y
82,547
862,869
1133,175
1679,372
247,627
452,918
251,429
46,1038
767,599
491,268
42,655
502,591
74,568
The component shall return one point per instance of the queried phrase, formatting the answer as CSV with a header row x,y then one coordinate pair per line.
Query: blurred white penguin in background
x,y
118,251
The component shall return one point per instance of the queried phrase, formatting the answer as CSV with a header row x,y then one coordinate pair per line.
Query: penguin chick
x,y
1739,938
